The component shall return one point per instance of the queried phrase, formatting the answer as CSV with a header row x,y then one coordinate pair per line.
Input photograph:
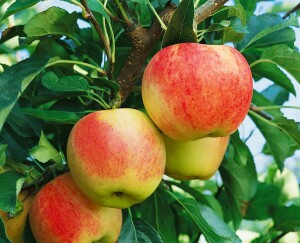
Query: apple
x,y
192,90
117,157
198,159
60,212
15,225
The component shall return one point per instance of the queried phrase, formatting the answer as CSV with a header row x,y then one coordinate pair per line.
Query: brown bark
x,y
143,40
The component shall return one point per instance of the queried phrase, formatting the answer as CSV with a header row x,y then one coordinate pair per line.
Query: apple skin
x,y
15,226
61,213
117,157
199,159
193,90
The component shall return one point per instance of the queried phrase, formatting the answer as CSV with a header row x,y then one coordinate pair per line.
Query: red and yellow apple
x,y
117,157
192,90
15,225
61,213
199,159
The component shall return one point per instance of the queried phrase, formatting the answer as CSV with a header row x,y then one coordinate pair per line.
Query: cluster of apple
x,y
195,96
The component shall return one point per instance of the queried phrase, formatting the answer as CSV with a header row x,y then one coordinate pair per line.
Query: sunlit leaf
x,y
45,151
53,21
19,5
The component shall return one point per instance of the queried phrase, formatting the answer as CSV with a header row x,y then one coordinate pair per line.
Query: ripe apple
x,y
60,212
117,157
192,90
198,159
15,225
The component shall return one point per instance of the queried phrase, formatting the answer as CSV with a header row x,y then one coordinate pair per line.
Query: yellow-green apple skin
x,y
117,157
193,90
61,213
15,225
199,159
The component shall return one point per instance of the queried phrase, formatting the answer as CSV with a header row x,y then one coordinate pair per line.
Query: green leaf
x,y
17,6
142,1
2,154
65,84
11,32
110,83
276,94
272,72
260,100
136,230
287,219
45,151
54,115
97,7
264,202
90,52
213,228
249,6
282,56
285,36
10,185
52,47
15,80
240,183
261,26
152,208
289,186
53,21
232,209
180,28
3,236
235,31
289,126
241,150
199,196
277,139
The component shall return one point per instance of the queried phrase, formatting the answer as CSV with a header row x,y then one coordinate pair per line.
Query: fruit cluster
x,y
195,96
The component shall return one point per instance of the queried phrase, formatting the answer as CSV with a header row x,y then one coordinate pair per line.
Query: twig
x,y
207,9
287,14
261,112
99,31
278,237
